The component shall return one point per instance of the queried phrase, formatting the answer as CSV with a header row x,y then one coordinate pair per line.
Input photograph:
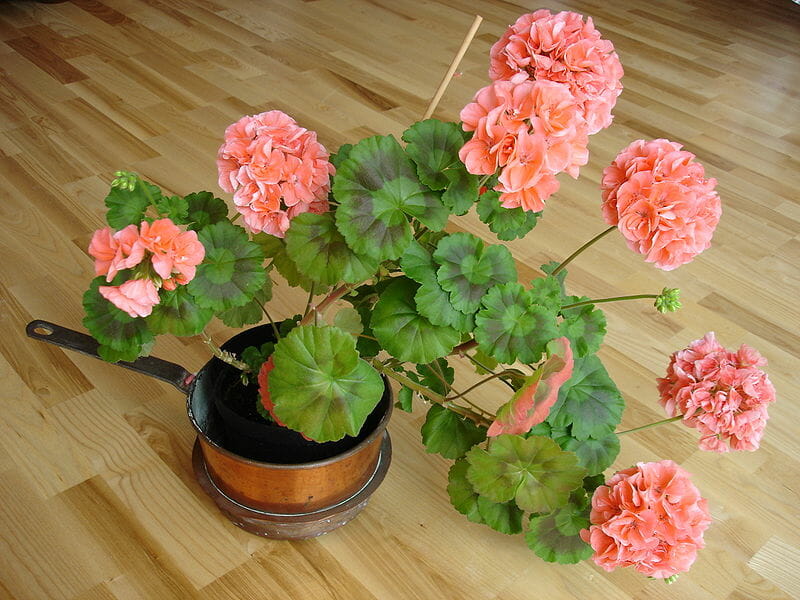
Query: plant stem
x,y
310,298
481,382
430,395
484,179
271,321
662,422
224,355
581,249
461,349
478,363
326,302
614,299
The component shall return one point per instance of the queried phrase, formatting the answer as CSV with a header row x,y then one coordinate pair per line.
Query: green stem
x,y
484,179
478,363
224,355
614,299
326,302
430,395
310,298
271,322
581,249
481,382
649,425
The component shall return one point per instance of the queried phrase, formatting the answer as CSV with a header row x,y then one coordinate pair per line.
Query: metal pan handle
x,y
85,344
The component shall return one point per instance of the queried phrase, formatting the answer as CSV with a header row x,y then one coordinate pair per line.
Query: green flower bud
x,y
668,300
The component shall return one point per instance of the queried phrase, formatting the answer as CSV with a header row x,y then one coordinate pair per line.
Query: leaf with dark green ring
x,y
451,435
507,223
121,336
595,455
533,471
589,401
403,332
378,190
504,517
468,269
320,386
178,313
462,495
511,327
555,537
320,252
232,270
585,326
205,209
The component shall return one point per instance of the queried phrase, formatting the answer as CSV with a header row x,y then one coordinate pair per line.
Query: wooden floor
x,y
97,499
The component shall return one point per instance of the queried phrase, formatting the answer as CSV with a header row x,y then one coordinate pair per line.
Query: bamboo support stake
x,y
453,66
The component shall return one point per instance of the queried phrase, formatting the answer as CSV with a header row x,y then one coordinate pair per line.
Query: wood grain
x,y
98,497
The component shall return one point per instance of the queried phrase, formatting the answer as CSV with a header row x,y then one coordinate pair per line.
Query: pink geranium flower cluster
x,y
275,170
722,394
531,130
661,202
650,517
169,254
564,49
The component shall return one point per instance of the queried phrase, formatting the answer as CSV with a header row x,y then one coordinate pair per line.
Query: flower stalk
x,y
649,425
224,355
468,413
572,256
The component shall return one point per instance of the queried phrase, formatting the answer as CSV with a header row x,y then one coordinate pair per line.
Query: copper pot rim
x,y
379,429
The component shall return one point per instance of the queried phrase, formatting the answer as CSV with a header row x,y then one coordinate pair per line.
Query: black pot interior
x,y
225,411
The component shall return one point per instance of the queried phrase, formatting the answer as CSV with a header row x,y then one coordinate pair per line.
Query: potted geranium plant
x,y
392,294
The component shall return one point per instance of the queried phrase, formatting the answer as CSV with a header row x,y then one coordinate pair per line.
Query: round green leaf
x,y
594,455
504,517
320,386
506,223
433,145
377,190
589,401
433,303
585,326
468,269
555,537
417,263
463,496
127,206
320,252
231,272
534,472
347,319
205,209
511,327
174,208
403,332
250,313
462,190
449,434
121,336
178,314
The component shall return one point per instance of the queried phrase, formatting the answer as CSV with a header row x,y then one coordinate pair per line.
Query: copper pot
x,y
287,499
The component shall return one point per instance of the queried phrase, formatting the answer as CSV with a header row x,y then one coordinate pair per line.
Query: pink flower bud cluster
x,y
650,517
171,254
661,202
531,130
722,394
562,48
275,170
